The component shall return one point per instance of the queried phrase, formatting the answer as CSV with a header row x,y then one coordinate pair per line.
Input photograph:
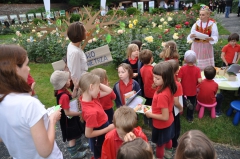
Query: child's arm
x,y
74,93
89,132
104,90
177,103
71,113
199,80
223,58
164,116
238,57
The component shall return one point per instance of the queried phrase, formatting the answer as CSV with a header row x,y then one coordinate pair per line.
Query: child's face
x,y
68,83
94,90
158,81
232,42
121,133
135,53
123,73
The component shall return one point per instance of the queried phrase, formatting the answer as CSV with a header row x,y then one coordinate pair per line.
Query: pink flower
x,y
186,23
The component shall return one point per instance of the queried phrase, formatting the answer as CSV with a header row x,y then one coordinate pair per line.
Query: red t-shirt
x,y
189,79
162,100
112,142
30,81
179,91
147,78
64,99
93,113
125,89
107,101
229,51
207,91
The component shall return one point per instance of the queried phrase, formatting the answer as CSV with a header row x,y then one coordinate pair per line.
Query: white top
x,y
76,61
18,113
214,33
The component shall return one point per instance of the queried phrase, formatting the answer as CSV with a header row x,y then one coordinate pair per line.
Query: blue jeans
x,y
227,11
219,99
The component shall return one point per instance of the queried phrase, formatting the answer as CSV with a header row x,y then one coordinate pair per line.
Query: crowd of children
x,y
167,90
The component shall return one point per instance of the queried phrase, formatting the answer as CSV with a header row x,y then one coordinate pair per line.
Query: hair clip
x,y
205,8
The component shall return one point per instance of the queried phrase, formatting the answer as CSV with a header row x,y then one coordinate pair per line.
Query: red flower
x,y
166,31
186,23
160,37
178,26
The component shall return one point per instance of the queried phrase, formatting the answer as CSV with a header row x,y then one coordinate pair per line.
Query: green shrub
x,y
110,12
74,18
158,11
6,31
119,12
196,6
132,11
37,21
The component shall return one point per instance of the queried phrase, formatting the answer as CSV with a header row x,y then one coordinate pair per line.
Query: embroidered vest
x,y
207,31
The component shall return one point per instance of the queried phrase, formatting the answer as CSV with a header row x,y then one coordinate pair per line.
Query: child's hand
x,y
148,114
135,75
54,117
129,137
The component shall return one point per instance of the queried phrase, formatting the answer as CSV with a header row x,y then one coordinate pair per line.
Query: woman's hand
x,y
193,36
209,39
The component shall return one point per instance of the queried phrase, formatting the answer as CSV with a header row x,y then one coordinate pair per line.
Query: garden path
x,y
223,151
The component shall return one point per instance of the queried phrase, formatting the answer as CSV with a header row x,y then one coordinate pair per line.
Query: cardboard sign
x,y
98,56
58,65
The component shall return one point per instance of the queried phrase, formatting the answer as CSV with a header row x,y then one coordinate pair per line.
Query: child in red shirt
x,y
92,111
61,82
125,84
229,50
107,101
207,90
162,107
178,108
189,76
125,121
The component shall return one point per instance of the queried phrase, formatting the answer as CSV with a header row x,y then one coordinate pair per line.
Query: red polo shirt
x,y
207,91
107,101
229,51
125,88
179,91
147,78
64,99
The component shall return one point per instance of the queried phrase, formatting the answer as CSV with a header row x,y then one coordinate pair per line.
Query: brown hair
x,y
138,43
101,73
125,118
76,32
195,144
209,72
169,51
127,67
87,79
11,57
165,70
145,56
131,48
233,36
174,64
135,149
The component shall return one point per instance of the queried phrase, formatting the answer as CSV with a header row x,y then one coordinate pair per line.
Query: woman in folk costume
x,y
204,48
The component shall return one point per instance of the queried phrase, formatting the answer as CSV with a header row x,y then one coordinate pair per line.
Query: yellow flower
x,y
135,21
169,19
130,26
160,26
175,36
28,40
94,39
162,20
165,23
130,22
33,31
149,39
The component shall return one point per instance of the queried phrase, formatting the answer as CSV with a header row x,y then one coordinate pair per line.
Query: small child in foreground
x,y
125,121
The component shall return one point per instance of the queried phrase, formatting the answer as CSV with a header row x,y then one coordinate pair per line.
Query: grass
x,y
220,130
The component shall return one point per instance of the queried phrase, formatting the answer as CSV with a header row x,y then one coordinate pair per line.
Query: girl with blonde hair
x,y
169,51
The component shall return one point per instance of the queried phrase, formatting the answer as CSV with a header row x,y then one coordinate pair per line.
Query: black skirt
x,y
162,136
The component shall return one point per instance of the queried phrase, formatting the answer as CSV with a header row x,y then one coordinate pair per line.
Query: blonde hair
x,y
101,73
169,51
206,9
125,118
131,48
87,79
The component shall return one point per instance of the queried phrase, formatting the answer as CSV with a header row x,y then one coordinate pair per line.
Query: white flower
x,y
165,23
160,26
163,44
90,41
149,39
162,19
169,19
33,31
18,33
13,39
120,31
94,39
28,40
154,24
97,31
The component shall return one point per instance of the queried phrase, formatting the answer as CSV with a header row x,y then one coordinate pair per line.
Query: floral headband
x,y
206,8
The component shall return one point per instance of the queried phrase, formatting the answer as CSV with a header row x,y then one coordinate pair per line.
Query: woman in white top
x,y
26,129
204,48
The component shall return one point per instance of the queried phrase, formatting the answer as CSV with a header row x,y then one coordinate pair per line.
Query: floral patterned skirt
x,y
204,52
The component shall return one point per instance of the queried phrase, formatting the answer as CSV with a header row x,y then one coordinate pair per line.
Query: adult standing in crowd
x,y
76,59
228,8
26,129
238,8
204,48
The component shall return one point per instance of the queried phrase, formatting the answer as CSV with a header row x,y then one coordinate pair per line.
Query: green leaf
x,y
58,22
108,38
122,25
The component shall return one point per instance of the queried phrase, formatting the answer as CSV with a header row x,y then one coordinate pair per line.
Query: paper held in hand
x,y
200,35
141,108
53,109
132,99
